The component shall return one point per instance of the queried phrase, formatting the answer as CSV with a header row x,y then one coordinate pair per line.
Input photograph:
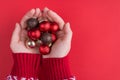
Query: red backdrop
x,y
95,53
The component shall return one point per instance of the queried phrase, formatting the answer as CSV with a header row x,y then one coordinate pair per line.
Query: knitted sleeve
x,y
33,67
26,67
56,69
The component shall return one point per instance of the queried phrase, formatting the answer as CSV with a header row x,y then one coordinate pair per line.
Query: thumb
x,y
16,34
67,32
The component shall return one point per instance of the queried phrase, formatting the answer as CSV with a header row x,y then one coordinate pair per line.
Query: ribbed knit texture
x,y
26,65
55,69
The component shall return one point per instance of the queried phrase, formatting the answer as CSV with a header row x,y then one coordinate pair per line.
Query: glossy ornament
x,y
34,34
44,49
44,26
30,43
54,27
50,44
53,37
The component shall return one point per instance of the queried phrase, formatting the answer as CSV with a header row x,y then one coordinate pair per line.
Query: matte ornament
x,y
39,42
32,23
46,38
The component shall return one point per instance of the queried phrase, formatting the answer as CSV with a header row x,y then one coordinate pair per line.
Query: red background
x,y
95,53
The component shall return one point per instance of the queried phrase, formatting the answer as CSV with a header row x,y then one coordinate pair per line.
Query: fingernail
x,y
37,8
16,24
49,11
32,10
46,8
68,23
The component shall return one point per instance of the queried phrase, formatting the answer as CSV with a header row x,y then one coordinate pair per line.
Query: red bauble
x,y
34,34
53,37
44,26
54,27
44,49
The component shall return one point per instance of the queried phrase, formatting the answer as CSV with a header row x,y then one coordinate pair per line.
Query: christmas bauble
x,y
42,19
46,38
50,44
34,34
44,49
32,23
54,27
44,26
53,37
38,43
30,43
42,34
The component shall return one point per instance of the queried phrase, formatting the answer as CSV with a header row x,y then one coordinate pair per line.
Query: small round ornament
x,y
46,38
50,44
43,19
30,43
44,26
32,23
44,49
54,27
53,37
38,43
34,34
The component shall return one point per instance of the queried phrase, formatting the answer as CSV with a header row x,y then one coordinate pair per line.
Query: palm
x,y
62,45
20,47
20,34
57,47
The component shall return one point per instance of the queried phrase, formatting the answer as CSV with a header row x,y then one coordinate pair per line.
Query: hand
x,y
63,44
19,35
60,48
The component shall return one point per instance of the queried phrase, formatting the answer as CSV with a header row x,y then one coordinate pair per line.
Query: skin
x,y
59,49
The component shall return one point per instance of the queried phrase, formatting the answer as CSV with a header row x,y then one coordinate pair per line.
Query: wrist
x,y
55,55
26,65
57,68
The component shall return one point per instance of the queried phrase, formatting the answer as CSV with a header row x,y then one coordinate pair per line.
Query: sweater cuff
x,y
56,68
26,65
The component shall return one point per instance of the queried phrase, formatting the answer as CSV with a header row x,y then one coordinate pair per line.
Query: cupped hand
x,y
19,35
59,49
62,45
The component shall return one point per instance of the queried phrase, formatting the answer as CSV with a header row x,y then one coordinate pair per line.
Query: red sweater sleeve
x,y
33,67
26,66
56,69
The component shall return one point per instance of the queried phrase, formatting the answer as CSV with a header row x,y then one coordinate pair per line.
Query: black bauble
x,y
46,38
32,23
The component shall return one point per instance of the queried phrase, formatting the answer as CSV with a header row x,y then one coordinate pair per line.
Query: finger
x,y
23,35
45,13
40,14
60,34
16,34
37,12
26,17
67,32
55,17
